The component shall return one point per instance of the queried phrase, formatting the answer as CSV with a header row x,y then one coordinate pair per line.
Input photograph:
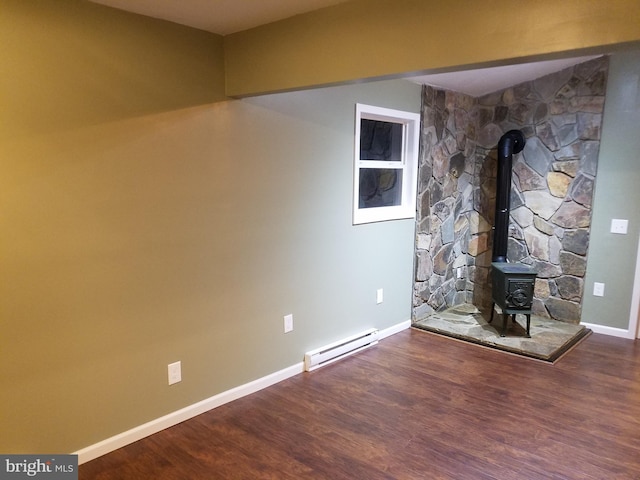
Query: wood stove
x,y
512,290
512,283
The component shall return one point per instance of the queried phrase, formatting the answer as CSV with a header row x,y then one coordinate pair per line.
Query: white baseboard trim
x,y
154,426
612,331
387,332
179,416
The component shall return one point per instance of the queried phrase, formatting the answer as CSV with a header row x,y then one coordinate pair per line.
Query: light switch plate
x,y
619,226
288,323
598,289
175,372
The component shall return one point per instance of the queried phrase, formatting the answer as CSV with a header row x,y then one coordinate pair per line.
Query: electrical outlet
x,y
288,323
619,226
379,296
175,372
598,289
459,272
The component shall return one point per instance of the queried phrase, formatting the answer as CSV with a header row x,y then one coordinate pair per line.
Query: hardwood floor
x,y
416,406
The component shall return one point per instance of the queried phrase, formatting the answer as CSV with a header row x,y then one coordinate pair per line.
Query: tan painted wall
x,y
145,220
381,38
72,63
98,108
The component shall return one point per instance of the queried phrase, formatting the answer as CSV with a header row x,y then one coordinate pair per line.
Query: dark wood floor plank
x,y
416,406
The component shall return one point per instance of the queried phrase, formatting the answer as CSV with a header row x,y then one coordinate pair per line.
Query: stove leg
x,y
505,318
493,307
528,326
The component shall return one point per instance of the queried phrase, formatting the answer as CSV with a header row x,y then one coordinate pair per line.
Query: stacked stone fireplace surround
x,y
551,196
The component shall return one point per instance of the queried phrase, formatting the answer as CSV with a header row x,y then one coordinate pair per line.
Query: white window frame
x,y
409,165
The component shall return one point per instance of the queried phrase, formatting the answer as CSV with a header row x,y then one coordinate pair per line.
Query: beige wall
x,y
101,140
145,220
381,38
70,63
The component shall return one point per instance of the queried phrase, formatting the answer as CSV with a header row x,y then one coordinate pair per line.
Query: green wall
x,y
145,219
612,257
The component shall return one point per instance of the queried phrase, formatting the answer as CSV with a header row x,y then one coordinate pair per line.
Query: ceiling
x,y
220,16
481,81
224,17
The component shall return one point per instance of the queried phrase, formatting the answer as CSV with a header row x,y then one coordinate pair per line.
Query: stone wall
x,y
552,190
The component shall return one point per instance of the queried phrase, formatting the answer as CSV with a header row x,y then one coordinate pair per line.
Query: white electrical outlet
x,y
619,226
459,272
175,372
379,296
598,289
288,323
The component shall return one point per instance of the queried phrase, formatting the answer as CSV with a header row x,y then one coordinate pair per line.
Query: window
x,y
386,164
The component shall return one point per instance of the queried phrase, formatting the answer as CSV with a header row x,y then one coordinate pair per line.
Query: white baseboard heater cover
x,y
335,351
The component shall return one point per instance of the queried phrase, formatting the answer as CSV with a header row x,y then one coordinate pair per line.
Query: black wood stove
x,y
512,283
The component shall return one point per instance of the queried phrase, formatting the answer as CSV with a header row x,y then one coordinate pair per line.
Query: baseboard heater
x,y
335,351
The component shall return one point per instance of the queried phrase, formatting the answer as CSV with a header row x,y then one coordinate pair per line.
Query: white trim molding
x,y
397,328
612,331
635,299
154,426
174,418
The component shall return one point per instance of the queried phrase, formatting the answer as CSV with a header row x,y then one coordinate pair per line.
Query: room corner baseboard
x,y
154,426
174,418
612,331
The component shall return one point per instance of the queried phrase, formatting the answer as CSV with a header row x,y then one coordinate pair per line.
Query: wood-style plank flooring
x,y
416,406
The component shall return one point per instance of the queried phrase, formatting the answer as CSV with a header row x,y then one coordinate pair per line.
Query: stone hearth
x,y
549,338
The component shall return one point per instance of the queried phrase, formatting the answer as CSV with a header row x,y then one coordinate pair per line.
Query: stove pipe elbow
x,y
511,142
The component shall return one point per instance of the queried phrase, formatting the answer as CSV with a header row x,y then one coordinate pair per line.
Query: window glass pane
x,y
380,187
380,140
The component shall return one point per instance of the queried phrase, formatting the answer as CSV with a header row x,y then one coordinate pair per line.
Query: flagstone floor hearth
x,y
550,339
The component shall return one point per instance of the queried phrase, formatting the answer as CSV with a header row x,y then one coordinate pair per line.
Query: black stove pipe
x,y
511,142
